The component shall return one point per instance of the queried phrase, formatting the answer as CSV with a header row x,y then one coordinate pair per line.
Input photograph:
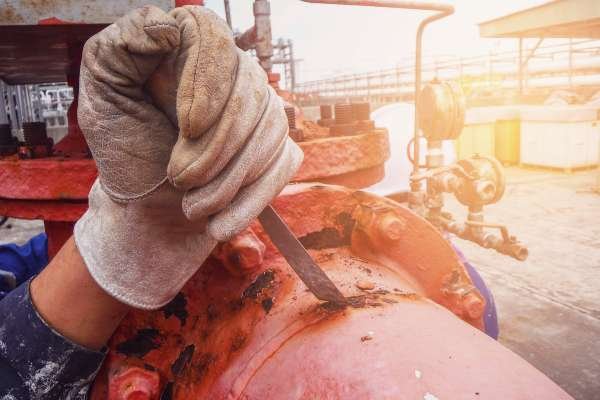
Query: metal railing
x,y
569,61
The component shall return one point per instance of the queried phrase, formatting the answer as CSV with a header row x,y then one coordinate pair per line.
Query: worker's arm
x,y
53,330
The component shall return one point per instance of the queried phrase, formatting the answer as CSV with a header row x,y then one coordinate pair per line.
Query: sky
x,y
332,40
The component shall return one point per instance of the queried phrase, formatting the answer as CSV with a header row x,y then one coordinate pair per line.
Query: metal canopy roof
x,y
556,19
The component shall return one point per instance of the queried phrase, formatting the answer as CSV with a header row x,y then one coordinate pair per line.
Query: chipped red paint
x,y
47,179
43,209
181,3
332,156
264,335
56,188
53,21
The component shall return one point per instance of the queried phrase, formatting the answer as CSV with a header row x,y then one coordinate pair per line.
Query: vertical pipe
x,y
520,66
3,104
418,66
264,44
292,66
22,104
490,68
571,63
12,112
228,13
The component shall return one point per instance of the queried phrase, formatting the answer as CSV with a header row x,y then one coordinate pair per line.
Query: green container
x,y
508,141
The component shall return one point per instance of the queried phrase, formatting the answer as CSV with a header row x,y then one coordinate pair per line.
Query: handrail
x,y
498,58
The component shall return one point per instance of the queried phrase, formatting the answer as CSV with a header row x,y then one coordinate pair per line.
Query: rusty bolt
x,y
473,305
243,254
134,383
391,227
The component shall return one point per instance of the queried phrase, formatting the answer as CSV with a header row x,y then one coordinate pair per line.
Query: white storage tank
x,y
564,137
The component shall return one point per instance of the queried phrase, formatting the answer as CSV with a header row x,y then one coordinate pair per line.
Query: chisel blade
x,y
296,255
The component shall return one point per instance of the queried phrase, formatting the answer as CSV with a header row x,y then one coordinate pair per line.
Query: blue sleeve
x,y
36,362
19,263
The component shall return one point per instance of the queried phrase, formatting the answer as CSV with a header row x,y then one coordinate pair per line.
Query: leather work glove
x,y
190,142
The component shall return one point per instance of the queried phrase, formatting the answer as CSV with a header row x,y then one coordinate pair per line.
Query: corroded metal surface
x,y
46,179
262,335
39,39
41,53
31,12
332,156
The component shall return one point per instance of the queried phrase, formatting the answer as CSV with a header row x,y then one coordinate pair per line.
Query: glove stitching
x,y
160,24
117,197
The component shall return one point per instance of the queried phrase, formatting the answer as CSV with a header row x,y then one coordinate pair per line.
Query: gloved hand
x,y
190,142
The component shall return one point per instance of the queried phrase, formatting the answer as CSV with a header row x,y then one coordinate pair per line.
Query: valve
x,y
476,181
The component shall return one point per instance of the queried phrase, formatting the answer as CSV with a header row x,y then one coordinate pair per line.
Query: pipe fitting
x,y
134,383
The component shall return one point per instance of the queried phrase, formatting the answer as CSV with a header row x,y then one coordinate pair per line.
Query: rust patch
x,y
238,341
211,312
330,237
177,308
324,239
375,298
267,304
203,364
261,282
183,360
141,344
167,393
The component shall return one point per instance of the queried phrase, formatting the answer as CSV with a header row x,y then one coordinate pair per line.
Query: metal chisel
x,y
301,262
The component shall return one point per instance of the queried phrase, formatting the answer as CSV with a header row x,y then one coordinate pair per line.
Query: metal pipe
x,y
264,44
445,10
3,104
248,39
12,112
228,13
520,66
413,5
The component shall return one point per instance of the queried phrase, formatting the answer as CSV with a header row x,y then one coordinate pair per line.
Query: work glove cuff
x,y
168,249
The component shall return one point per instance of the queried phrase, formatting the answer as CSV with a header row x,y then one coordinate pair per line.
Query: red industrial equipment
x,y
245,327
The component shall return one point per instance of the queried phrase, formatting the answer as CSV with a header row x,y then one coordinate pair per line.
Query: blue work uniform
x,y
36,362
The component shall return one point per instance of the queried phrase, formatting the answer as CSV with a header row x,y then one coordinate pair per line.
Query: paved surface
x,y
549,306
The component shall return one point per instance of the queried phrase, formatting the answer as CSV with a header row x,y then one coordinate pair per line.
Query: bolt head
x,y
243,254
473,306
133,383
392,227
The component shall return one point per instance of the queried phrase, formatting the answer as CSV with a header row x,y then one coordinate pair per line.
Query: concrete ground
x,y
549,305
